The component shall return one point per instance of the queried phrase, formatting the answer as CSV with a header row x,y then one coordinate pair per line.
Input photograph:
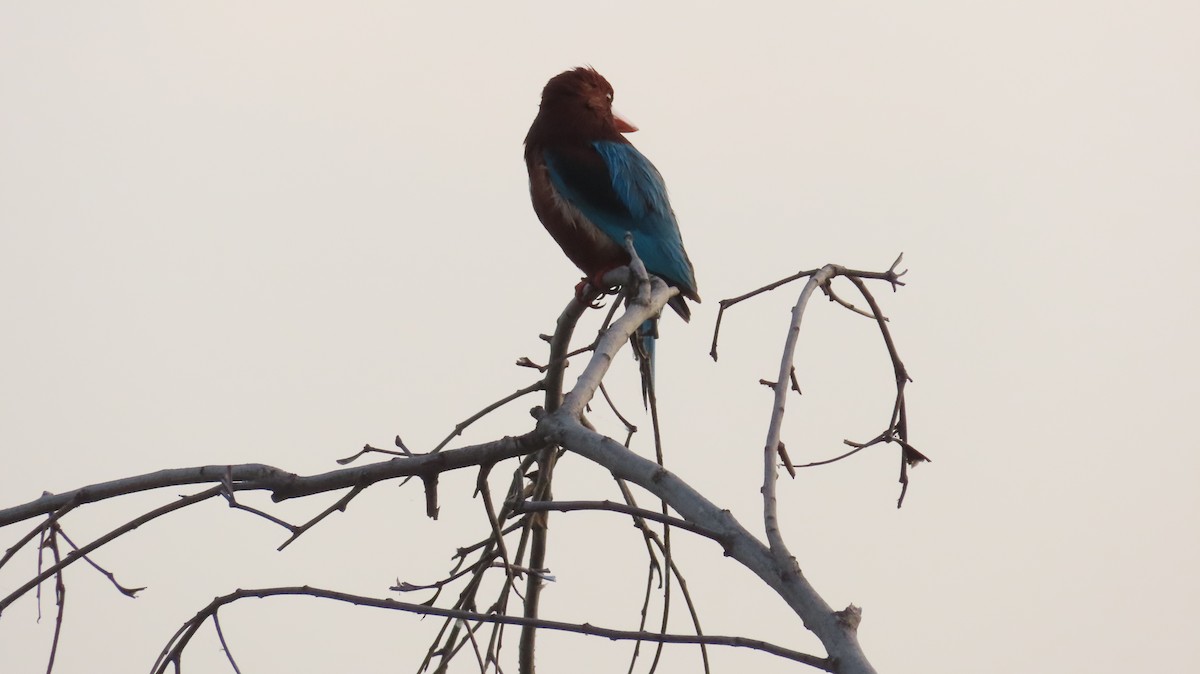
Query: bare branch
x,y
281,484
630,428
224,646
368,449
535,530
891,276
173,652
775,428
33,533
233,503
840,642
463,552
60,597
834,297
130,592
340,506
651,537
115,533
463,425
899,423
727,303
568,506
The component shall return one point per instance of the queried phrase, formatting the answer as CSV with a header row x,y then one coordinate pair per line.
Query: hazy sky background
x,y
272,232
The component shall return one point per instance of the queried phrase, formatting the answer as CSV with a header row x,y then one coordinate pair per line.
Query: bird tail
x,y
643,349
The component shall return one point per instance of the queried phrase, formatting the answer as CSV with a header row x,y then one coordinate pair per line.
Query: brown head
x,y
577,105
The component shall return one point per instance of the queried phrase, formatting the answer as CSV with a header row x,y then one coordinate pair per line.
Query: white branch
x,y
611,342
837,631
774,430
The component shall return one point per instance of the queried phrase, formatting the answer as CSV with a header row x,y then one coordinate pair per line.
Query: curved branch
x,y
173,652
775,428
891,276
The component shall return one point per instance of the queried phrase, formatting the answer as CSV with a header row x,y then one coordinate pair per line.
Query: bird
x,y
590,187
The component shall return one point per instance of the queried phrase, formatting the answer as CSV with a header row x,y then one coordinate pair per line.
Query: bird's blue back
x,y
625,193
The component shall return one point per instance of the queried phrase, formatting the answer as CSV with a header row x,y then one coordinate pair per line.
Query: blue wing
x,y
619,191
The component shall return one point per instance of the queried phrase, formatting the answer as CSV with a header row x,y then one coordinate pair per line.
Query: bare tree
x,y
514,548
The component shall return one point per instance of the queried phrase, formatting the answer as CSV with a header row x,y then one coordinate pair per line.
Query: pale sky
x,y
272,232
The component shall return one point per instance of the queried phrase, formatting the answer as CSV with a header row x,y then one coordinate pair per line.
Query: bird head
x,y
579,102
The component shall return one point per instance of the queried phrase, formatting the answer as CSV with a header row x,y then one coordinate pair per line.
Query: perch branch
x,y
564,427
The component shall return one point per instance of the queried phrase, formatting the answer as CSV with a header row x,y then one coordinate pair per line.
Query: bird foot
x,y
581,291
594,283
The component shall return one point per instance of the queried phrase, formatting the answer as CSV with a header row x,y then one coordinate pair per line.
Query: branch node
x,y
787,462
431,499
850,616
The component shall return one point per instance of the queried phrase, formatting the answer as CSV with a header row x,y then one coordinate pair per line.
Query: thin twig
x,y
569,506
727,303
33,533
237,505
82,552
224,645
60,597
899,422
645,612
130,592
463,552
339,506
834,297
650,537
891,276
464,424
405,586
630,429
368,449
447,643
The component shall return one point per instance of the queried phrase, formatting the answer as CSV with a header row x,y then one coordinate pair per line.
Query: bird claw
x,y
581,290
596,282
